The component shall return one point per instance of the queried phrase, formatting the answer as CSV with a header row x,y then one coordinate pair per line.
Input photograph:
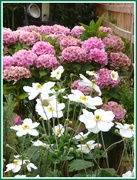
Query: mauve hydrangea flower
x,y
48,61
44,29
58,29
105,80
99,56
73,54
116,108
29,28
105,29
84,89
77,31
7,61
15,73
24,58
92,43
58,37
69,41
119,59
9,36
113,43
17,120
29,38
95,51
42,47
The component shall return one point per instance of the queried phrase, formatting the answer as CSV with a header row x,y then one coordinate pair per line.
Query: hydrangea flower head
x,y
42,47
7,61
24,58
107,78
76,31
9,36
48,61
15,73
116,108
73,54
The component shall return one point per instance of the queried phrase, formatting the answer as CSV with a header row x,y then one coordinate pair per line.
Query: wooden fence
x,y
120,17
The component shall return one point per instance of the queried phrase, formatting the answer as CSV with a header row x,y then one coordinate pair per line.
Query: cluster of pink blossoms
x,y
29,28
24,58
7,61
105,29
104,79
29,38
119,59
84,89
116,108
113,43
73,54
15,73
95,51
9,36
69,41
42,47
48,61
77,31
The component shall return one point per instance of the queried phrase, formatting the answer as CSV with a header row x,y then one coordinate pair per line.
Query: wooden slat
x,y
118,8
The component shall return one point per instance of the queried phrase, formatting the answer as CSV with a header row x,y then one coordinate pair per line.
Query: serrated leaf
x,y
42,73
79,164
98,23
107,172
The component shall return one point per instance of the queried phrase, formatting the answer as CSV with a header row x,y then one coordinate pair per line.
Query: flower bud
x,y
41,119
71,149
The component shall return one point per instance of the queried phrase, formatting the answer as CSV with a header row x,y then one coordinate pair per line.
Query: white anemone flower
x,y
86,148
99,121
92,73
27,127
37,88
48,111
114,75
125,130
20,176
29,165
58,130
128,174
57,72
87,82
40,143
15,166
82,136
88,101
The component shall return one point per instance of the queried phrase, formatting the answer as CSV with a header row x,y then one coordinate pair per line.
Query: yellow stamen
x,y
39,86
97,118
83,98
51,109
25,127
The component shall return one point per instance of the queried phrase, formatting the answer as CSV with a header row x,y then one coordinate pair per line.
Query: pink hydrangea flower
x,y
29,38
58,29
45,29
95,50
9,36
105,29
48,61
113,43
84,89
42,47
99,56
116,108
77,31
15,73
17,120
24,58
105,80
29,28
69,41
73,54
119,59
7,61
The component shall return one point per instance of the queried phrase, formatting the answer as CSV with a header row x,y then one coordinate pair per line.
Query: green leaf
x,y
42,73
98,23
92,25
108,172
23,96
79,164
